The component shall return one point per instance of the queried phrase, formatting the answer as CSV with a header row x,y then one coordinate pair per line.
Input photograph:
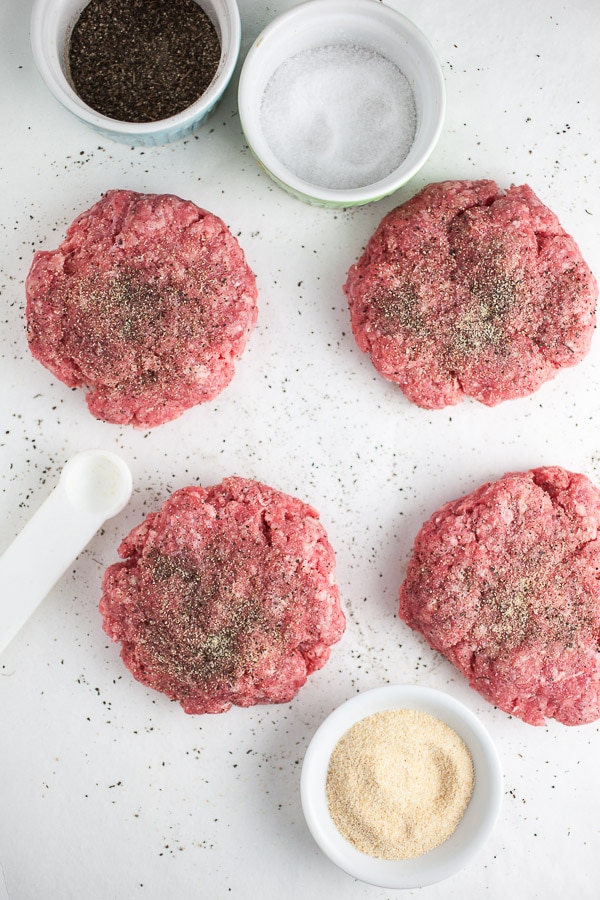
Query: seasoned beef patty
x,y
506,584
466,291
225,596
147,303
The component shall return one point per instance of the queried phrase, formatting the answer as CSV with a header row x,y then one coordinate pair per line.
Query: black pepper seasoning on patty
x,y
466,290
142,60
504,583
225,596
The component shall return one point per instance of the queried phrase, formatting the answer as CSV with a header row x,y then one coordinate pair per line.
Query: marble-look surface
x,y
107,789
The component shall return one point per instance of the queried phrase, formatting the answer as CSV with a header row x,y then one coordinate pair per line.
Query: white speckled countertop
x,y
108,790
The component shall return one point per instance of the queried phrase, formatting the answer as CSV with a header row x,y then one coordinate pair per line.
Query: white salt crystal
x,y
339,116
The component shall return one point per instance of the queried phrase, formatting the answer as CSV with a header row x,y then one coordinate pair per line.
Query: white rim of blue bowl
x,y
51,72
473,830
269,161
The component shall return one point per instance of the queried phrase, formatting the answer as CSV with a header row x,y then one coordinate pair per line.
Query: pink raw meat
x,y
226,595
465,291
506,584
148,303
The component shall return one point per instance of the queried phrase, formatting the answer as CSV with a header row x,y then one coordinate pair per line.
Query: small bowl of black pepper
x,y
144,72
401,786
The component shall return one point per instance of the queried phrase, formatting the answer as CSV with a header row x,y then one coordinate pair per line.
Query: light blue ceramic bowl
x,y
51,25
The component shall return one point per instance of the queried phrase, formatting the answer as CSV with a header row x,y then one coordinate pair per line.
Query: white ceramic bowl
x,y
368,24
51,24
474,828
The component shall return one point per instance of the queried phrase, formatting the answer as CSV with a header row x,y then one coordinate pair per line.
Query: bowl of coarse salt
x,y
341,101
401,786
141,73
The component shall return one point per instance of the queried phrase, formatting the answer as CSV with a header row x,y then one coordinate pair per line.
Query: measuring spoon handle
x,y
94,485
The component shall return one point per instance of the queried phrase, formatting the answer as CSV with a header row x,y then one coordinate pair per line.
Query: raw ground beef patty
x,y
468,291
506,584
225,596
147,302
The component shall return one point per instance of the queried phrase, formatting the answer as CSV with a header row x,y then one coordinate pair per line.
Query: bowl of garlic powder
x,y
401,786
341,101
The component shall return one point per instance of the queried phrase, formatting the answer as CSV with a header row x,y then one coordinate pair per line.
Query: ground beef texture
x,y
505,582
225,596
469,291
147,304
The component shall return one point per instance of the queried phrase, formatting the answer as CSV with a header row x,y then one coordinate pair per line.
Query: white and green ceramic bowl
x,y
368,24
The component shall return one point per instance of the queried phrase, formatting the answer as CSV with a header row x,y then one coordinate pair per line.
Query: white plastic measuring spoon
x,y
94,485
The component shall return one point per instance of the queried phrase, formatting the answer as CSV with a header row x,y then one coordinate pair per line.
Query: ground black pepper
x,y
142,60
